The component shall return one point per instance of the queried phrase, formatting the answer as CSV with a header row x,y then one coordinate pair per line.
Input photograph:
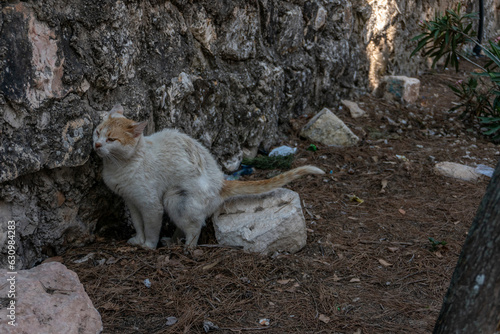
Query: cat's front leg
x,y
153,216
136,216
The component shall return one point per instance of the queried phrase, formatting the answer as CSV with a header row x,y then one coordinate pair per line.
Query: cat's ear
x,y
138,128
117,111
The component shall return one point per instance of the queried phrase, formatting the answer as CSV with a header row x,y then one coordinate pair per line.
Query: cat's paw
x,y
149,245
136,241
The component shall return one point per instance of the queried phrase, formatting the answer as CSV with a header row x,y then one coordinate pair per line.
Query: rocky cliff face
x,y
229,73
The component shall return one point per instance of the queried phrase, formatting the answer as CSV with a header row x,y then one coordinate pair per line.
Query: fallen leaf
x,y
109,306
438,254
335,278
210,266
85,258
393,249
283,281
354,198
358,331
293,288
126,249
324,318
354,280
401,211
54,259
352,218
384,185
384,263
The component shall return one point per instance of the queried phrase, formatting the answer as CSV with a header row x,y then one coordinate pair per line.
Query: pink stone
x,y
49,298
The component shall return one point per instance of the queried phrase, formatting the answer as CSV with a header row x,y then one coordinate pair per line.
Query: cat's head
x,y
117,136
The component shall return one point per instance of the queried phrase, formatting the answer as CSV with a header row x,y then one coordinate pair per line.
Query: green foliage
x,y
312,147
266,162
493,125
474,96
435,245
445,37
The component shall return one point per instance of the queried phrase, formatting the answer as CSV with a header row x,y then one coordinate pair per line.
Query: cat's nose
x,y
97,145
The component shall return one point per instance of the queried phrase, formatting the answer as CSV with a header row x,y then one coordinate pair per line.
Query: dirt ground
x,y
367,267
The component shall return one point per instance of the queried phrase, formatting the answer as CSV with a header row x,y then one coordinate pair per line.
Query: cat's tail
x,y
233,188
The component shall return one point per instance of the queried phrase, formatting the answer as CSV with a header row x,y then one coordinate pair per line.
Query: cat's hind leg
x,y
188,216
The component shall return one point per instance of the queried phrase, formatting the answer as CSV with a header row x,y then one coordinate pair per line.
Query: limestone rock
x,y
354,108
401,87
48,299
328,129
457,171
262,223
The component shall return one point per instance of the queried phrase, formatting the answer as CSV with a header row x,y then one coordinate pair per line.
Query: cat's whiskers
x,y
115,159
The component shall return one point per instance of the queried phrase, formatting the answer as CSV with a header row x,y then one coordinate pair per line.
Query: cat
x,y
168,171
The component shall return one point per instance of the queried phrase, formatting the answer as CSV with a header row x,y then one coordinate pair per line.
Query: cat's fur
x,y
168,171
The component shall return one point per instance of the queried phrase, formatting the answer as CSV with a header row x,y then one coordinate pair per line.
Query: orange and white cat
x,y
168,171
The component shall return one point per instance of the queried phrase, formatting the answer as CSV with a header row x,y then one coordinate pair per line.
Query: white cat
x,y
168,171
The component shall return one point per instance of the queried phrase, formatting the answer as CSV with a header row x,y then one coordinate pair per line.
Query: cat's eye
x,y
97,132
110,139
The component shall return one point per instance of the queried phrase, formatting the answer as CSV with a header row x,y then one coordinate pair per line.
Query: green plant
x,y
443,36
479,96
475,97
435,245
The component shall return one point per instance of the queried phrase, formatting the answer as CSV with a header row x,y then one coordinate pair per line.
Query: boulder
x,y
401,88
48,299
328,129
353,107
457,171
263,223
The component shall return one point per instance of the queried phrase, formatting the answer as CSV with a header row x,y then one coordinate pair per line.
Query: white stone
x,y
263,223
401,87
48,299
457,171
354,108
328,129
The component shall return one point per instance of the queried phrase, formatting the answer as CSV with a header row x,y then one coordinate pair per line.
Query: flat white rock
x,y
263,223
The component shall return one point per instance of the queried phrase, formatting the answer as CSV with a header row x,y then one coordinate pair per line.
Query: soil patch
x,y
367,268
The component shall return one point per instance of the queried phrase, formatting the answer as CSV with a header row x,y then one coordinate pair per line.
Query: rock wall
x,y
230,73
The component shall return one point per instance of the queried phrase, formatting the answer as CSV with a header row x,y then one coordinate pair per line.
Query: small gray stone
x,y
328,129
353,107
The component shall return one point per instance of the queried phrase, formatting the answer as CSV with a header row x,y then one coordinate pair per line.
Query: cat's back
x,y
174,142
176,150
